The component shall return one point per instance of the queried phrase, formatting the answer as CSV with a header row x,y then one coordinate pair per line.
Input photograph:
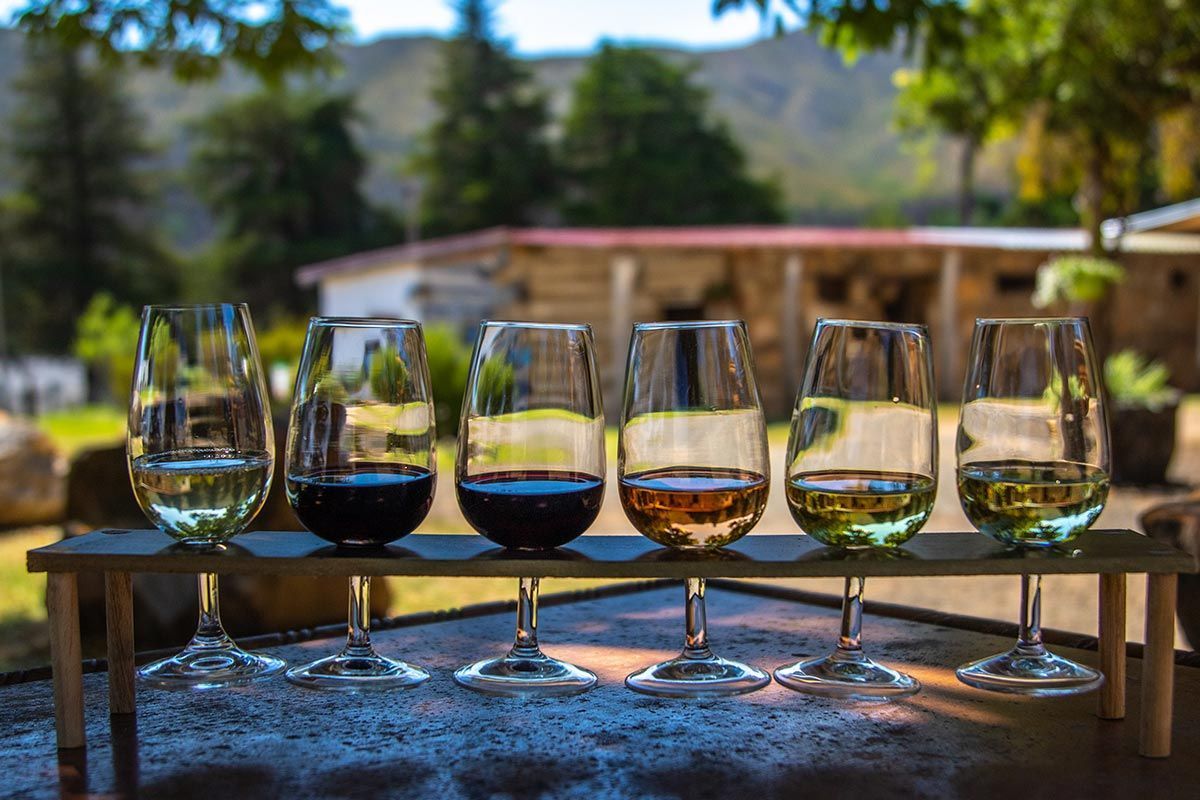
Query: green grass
x,y
23,638
80,428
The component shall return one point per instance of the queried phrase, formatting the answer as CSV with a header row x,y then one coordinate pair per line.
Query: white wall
x,y
46,383
383,292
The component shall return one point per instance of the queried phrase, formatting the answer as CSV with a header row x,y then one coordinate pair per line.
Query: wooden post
x,y
1112,646
118,613
622,279
792,325
949,379
1158,666
66,658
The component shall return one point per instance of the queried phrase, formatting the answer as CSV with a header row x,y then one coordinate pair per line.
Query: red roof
x,y
724,237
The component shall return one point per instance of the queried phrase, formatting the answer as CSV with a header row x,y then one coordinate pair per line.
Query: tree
x,y
106,337
971,92
80,221
195,37
282,174
485,160
639,149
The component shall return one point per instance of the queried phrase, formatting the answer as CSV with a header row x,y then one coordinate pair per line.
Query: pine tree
x,y
80,213
639,149
486,161
282,173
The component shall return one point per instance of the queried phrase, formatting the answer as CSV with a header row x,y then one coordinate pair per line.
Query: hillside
x,y
822,127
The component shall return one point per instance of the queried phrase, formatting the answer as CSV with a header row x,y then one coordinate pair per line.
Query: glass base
x,y
357,672
210,667
707,676
1037,673
847,676
521,675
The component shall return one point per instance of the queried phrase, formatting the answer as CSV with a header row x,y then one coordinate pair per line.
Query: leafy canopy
x,y
639,148
196,37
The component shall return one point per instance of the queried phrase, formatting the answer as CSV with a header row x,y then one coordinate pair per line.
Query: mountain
x,y
822,127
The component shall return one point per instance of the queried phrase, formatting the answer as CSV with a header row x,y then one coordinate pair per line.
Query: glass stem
x,y
1029,635
209,631
526,644
358,628
695,644
849,646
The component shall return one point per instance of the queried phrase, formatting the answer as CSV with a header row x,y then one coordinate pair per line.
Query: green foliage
x,y
449,359
485,160
639,149
78,222
387,374
1133,380
1075,280
494,386
283,172
106,336
282,342
196,38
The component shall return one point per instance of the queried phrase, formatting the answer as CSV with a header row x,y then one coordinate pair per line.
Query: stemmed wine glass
x,y
693,473
361,468
861,473
530,475
201,454
1033,466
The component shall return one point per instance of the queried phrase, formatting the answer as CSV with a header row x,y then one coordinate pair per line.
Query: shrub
x,y
449,359
1075,279
106,337
1133,380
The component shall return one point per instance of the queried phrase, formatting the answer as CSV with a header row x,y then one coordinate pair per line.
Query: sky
x,y
538,27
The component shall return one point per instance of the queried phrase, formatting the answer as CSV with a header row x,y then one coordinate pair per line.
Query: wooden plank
x,y
599,556
1158,667
1112,646
118,614
62,606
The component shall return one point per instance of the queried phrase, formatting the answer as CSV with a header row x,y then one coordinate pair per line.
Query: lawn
x,y
80,428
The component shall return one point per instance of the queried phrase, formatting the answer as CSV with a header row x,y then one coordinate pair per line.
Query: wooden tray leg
x,y
66,659
118,613
1112,646
1158,666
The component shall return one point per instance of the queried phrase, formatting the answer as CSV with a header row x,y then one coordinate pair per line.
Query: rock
x,y
32,489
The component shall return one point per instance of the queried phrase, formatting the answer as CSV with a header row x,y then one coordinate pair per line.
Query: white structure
x,y
36,384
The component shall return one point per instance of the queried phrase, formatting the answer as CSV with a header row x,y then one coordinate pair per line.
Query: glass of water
x,y
201,454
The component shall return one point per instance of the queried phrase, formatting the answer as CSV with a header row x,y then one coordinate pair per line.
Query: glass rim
x,y
191,306
840,322
363,322
688,324
544,326
1075,320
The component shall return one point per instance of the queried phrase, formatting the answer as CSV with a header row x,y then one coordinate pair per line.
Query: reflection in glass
x,y
1033,465
361,468
530,475
693,474
861,473
201,455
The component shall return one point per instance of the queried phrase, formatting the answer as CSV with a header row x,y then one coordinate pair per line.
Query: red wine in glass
x,y
531,509
366,506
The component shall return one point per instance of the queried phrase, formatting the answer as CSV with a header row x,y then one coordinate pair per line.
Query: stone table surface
x,y
440,741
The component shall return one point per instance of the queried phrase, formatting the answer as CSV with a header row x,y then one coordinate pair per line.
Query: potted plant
x,y
1143,406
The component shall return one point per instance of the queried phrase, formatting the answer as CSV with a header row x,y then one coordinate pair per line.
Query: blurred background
x,y
923,161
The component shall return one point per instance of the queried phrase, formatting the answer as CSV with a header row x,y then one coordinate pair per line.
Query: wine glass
x,y
861,473
201,454
361,468
530,475
1033,466
693,474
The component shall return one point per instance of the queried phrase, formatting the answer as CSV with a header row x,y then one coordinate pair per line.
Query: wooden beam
x,y
1112,646
949,379
118,614
1158,666
66,659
